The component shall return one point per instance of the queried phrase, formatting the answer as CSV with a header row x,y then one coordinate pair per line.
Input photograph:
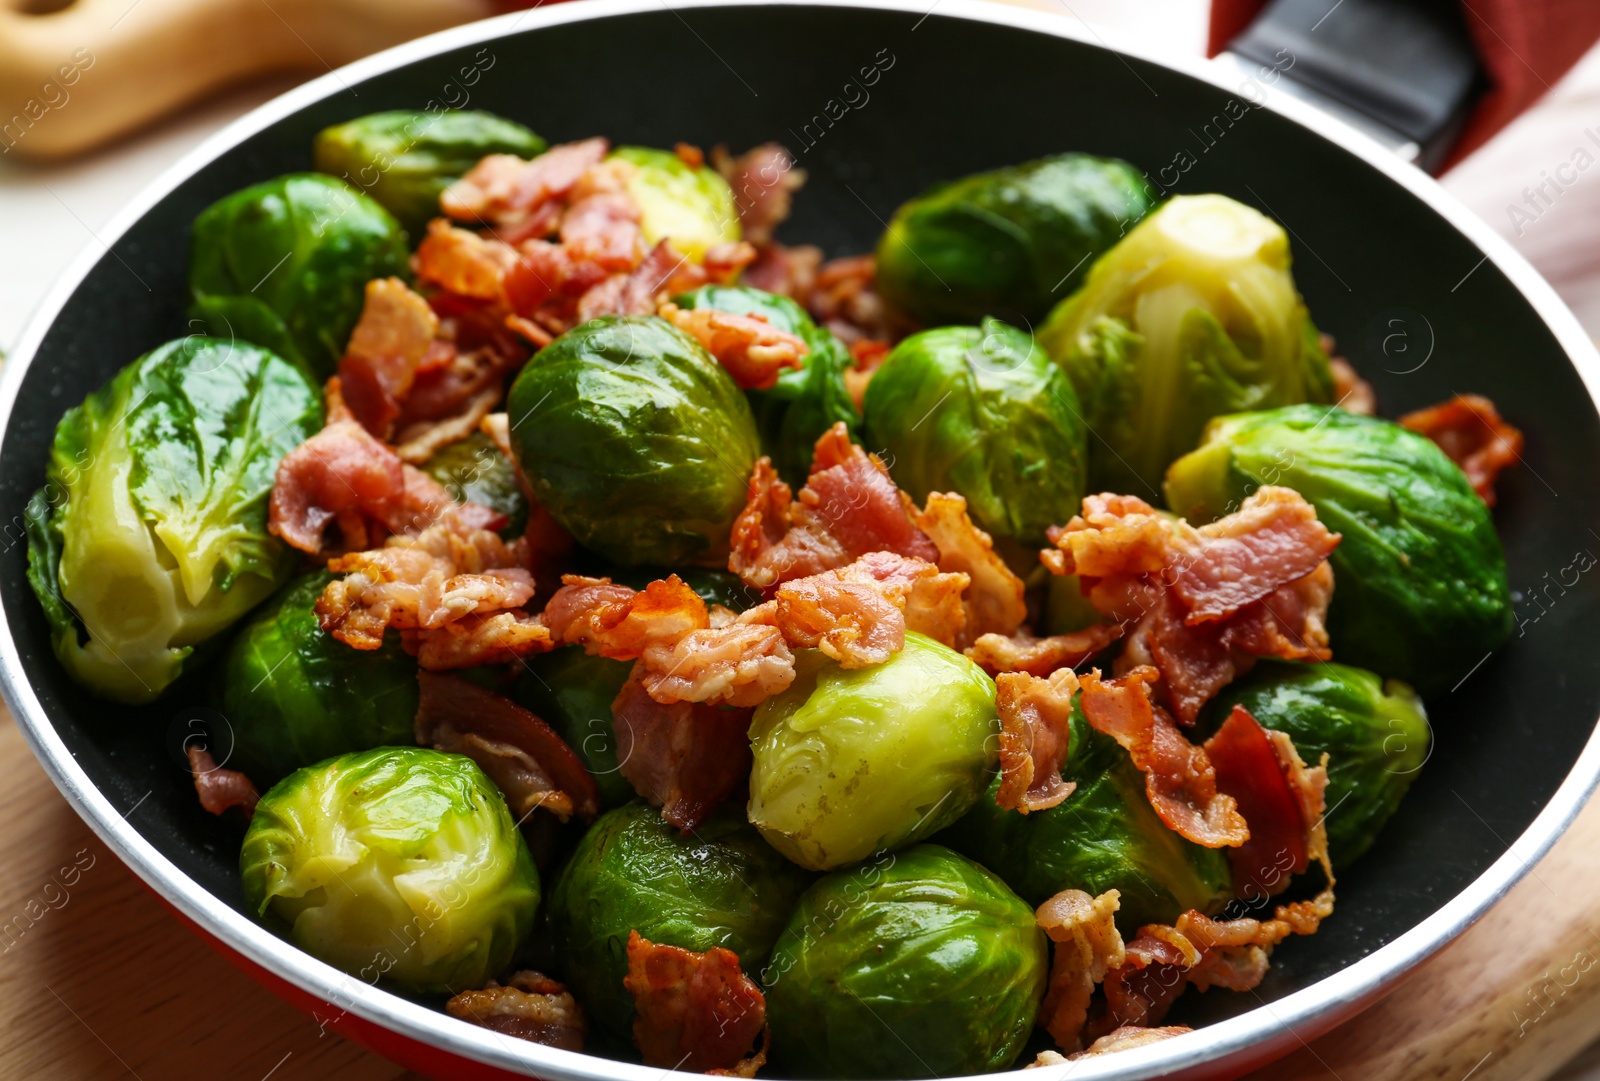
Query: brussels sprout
x,y
294,695
150,535
792,415
635,440
985,413
1008,242
691,206
405,159
1374,731
1193,314
285,264
720,886
922,950
1104,836
399,862
849,762
474,469
573,691
1420,579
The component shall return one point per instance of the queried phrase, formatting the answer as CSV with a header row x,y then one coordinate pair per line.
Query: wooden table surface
x,y
98,981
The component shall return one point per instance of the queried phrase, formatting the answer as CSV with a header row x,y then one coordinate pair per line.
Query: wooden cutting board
x,y
97,980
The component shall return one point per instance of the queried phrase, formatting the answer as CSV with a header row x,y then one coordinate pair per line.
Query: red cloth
x,y
1524,45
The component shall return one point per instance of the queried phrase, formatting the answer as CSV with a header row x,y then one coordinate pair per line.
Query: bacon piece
x,y
1203,603
603,229
1035,736
1351,393
994,600
531,1006
1087,944
764,180
848,507
789,272
858,614
845,300
1022,652
1471,431
525,758
463,262
737,664
340,473
1179,779
697,1012
220,789
868,355
506,190
752,350
1247,769
389,342
1127,1038
686,757
476,640
610,620
447,402
723,263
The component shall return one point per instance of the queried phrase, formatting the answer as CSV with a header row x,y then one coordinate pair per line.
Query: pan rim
x,y
1279,1023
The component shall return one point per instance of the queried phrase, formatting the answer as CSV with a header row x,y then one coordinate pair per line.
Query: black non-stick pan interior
x,y
1410,301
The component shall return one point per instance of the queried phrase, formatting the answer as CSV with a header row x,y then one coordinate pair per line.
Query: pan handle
x,y
1405,71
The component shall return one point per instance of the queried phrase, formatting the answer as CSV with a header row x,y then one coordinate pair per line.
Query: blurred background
x,y
98,97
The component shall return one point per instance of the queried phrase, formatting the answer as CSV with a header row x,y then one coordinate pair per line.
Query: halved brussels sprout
x,y
1104,836
475,470
293,694
398,863
150,534
719,886
921,964
636,440
983,412
1193,314
850,762
285,264
691,206
573,691
405,159
1007,242
1374,731
1420,588
805,402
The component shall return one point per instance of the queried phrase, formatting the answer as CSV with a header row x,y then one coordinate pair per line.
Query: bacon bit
x,y
845,300
530,1007
686,758
342,473
1248,769
994,600
1203,603
1127,1038
723,263
420,440
603,229
848,507
1471,431
506,190
463,262
696,1011
1022,652
476,640
752,350
1087,944
869,355
1351,393
537,336
610,620
737,664
764,181
790,272
389,342
689,154
220,789
1035,736
1179,779
853,621
525,758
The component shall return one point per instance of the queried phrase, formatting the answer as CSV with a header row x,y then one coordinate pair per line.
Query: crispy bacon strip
x,y
1087,944
462,262
1125,1038
789,272
764,181
994,600
1471,431
737,664
602,228
1248,769
848,507
1203,604
390,341
1351,393
507,190
686,757
1035,736
696,1011
531,1006
525,758
1022,652
858,614
220,789
476,640
1179,779
610,620
752,350
846,301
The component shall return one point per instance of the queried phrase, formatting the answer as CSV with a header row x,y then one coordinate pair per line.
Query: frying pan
x,y
1423,297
